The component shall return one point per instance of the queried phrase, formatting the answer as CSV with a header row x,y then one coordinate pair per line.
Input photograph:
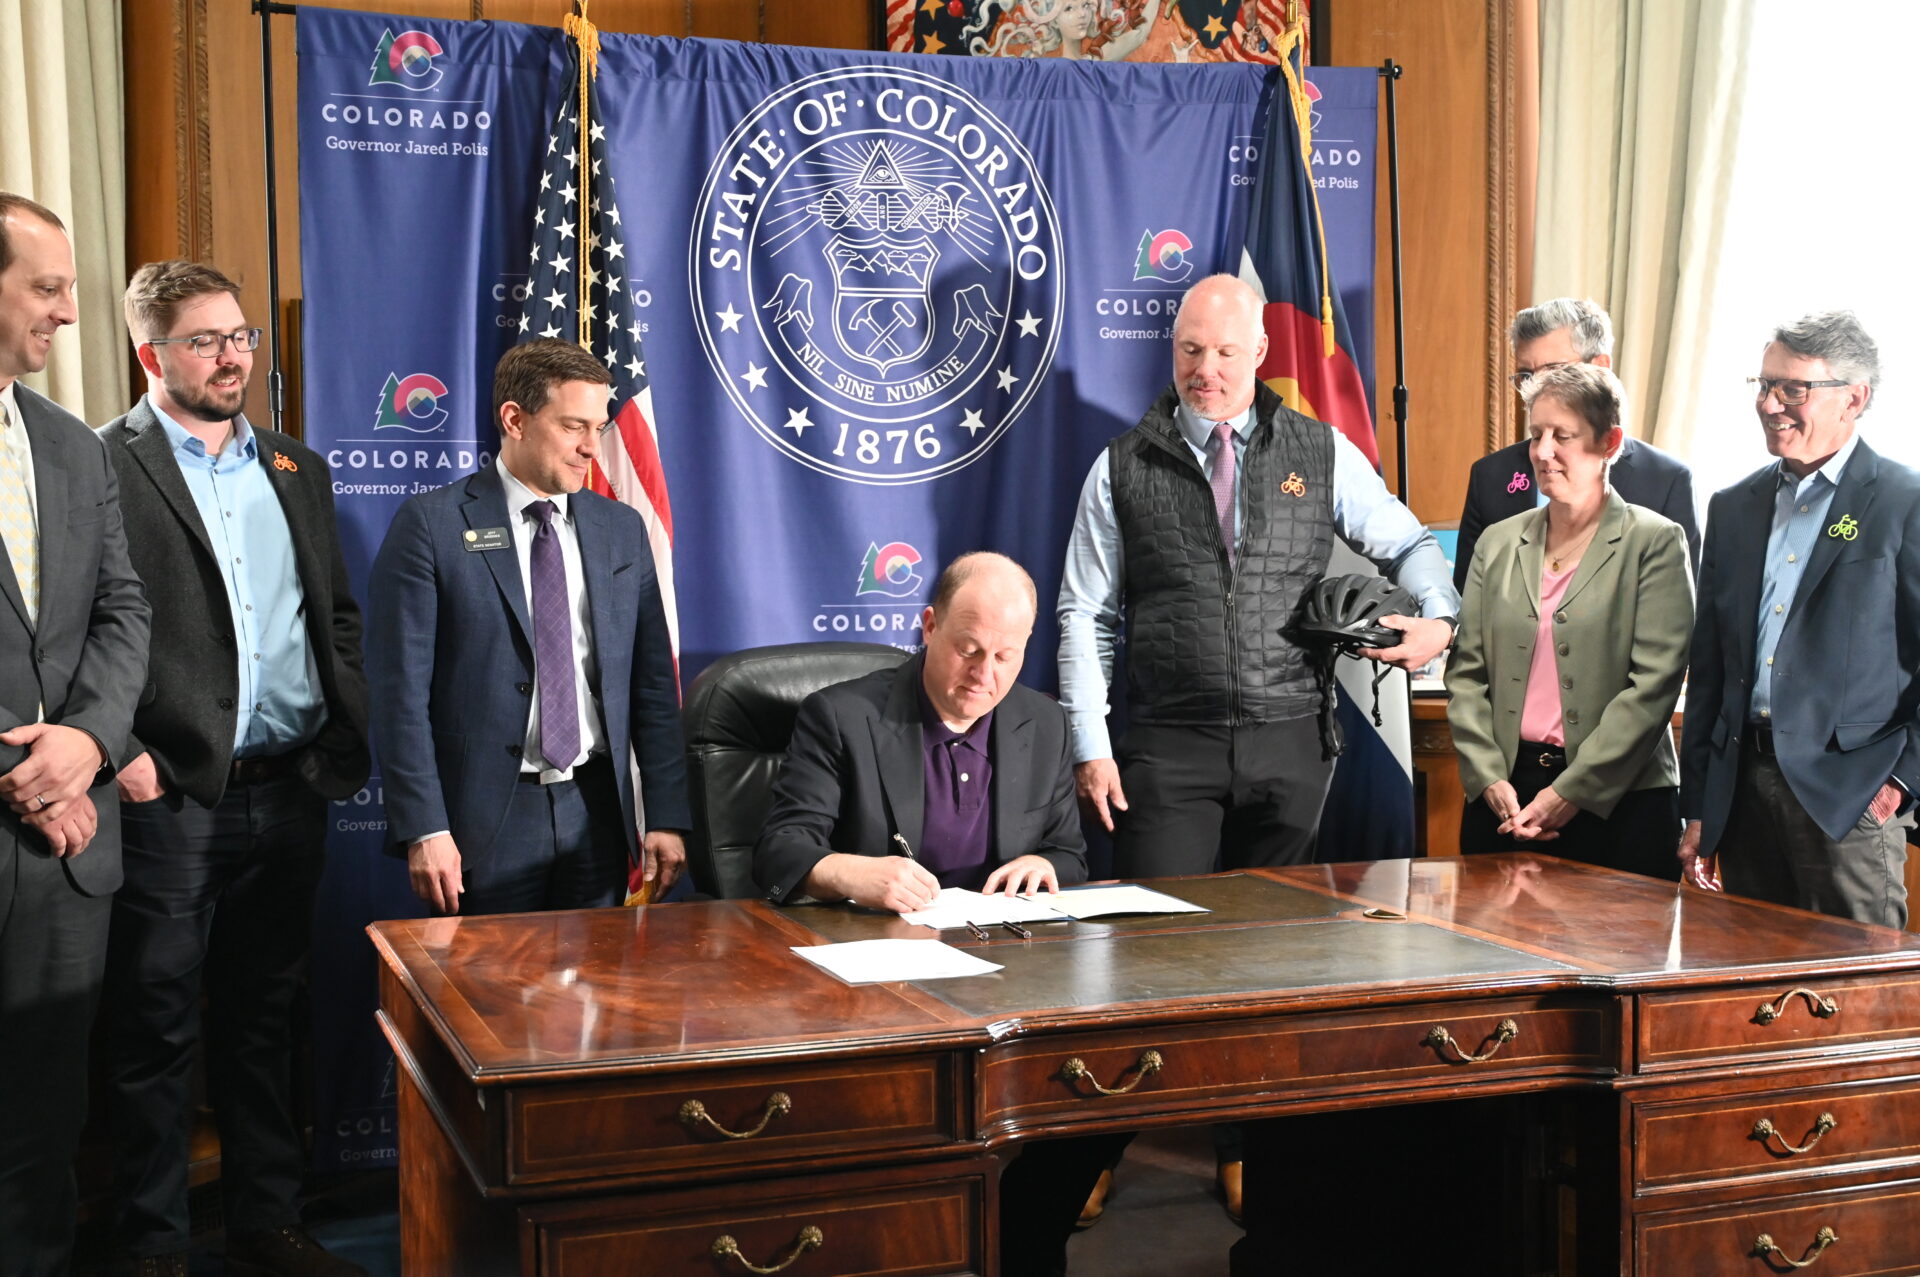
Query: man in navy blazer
x,y
1801,753
519,659
1567,330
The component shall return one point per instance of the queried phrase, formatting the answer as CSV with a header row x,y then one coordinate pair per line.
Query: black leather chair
x,y
739,717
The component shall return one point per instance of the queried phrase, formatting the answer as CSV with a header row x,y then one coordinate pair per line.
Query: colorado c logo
x,y
1163,256
406,60
888,570
412,403
876,271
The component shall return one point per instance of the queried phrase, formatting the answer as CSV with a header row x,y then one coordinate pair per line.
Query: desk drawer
x,y
1777,1021
1742,1134
776,1115
1160,1068
1865,1231
928,1225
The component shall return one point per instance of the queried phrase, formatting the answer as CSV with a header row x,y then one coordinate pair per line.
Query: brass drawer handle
x,y
1764,1130
810,1238
1764,1247
1819,1004
1440,1040
1075,1070
694,1114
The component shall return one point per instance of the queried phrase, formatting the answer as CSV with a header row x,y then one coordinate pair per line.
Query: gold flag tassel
x,y
586,39
1303,121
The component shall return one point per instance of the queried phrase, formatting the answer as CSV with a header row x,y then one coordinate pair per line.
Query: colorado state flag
x,y
1310,365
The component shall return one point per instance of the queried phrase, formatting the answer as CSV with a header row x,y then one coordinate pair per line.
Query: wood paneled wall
x,y
196,152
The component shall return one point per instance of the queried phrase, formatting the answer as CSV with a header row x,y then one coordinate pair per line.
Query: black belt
x,y
586,768
1548,758
258,771
1760,740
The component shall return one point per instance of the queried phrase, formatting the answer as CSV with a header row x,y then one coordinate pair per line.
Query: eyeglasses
x,y
1525,375
209,345
1788,391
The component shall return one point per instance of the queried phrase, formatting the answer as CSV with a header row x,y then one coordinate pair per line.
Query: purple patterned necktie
x,y
1222,481
553,643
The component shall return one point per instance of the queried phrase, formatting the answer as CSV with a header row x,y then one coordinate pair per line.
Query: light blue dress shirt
x,y
1365,515
280,703
1799,519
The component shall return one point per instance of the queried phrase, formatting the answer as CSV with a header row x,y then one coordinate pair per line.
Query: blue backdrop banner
x,y
892,307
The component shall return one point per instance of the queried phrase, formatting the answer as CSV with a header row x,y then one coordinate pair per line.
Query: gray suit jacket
x,y
854,776
83,664
188,710
1621,636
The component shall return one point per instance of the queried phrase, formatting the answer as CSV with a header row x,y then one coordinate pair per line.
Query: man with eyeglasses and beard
x,y
1801,754
254,716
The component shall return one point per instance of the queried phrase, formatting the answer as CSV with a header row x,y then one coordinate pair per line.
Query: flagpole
x,y
1390,72
276,377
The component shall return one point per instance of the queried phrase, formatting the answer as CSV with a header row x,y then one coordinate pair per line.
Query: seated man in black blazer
x,y
945,772
1568,330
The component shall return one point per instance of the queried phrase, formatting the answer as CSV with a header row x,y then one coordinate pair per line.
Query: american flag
x,y
576,203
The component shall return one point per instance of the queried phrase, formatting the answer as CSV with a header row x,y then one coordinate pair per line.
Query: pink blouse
x,y
1540,712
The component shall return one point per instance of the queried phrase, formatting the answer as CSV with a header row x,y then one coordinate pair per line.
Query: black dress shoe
x,y
289,1251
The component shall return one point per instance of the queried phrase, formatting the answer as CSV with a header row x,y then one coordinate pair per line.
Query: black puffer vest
x,y
1204,642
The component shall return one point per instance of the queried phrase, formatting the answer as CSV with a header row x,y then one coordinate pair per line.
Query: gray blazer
x,y
188,709
85,661
1622,631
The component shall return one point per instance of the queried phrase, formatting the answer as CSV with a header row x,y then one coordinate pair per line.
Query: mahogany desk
x,y
668,1091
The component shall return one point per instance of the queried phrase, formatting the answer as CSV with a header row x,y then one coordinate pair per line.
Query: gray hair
x,y
1585,322
1837,337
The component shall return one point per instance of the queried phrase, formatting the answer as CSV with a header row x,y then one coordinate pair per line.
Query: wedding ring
x,y
42,800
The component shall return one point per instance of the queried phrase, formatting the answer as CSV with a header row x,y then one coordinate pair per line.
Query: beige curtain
x,y
1639,110
63,143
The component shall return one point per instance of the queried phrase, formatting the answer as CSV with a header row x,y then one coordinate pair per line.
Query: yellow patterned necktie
x,y
16,513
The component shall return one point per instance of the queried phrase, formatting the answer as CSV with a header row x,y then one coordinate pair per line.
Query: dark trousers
x,y
1207,798
53,941
1041,1194
1772,850
561,846
218,899
1640,836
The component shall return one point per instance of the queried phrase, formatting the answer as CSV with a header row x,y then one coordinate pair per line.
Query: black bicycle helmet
x,y
1344,612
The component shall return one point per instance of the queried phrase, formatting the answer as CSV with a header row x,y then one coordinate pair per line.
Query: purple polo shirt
x,y
956,840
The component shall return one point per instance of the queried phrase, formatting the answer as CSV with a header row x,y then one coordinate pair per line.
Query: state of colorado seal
x,y
876,272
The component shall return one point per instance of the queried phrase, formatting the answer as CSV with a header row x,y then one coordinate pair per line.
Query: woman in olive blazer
x,y
1565,745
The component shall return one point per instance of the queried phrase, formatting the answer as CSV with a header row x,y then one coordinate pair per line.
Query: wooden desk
x,y
567,1081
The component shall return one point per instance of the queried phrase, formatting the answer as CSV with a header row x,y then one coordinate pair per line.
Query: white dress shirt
x,y
593,737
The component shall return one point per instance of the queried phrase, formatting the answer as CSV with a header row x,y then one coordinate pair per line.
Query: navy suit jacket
x,y
450,665
855,775
1501,485
1846,700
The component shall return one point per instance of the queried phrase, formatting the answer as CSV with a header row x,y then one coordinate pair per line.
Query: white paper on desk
x,y
955,907
878,961
1102,902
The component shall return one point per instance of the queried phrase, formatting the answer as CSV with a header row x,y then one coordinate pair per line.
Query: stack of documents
x,y
955,907
877,961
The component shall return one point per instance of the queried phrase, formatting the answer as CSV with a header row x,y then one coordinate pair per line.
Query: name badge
x,y
487,539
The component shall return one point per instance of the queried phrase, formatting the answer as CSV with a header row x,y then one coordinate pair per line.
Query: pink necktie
x,y
1222,481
